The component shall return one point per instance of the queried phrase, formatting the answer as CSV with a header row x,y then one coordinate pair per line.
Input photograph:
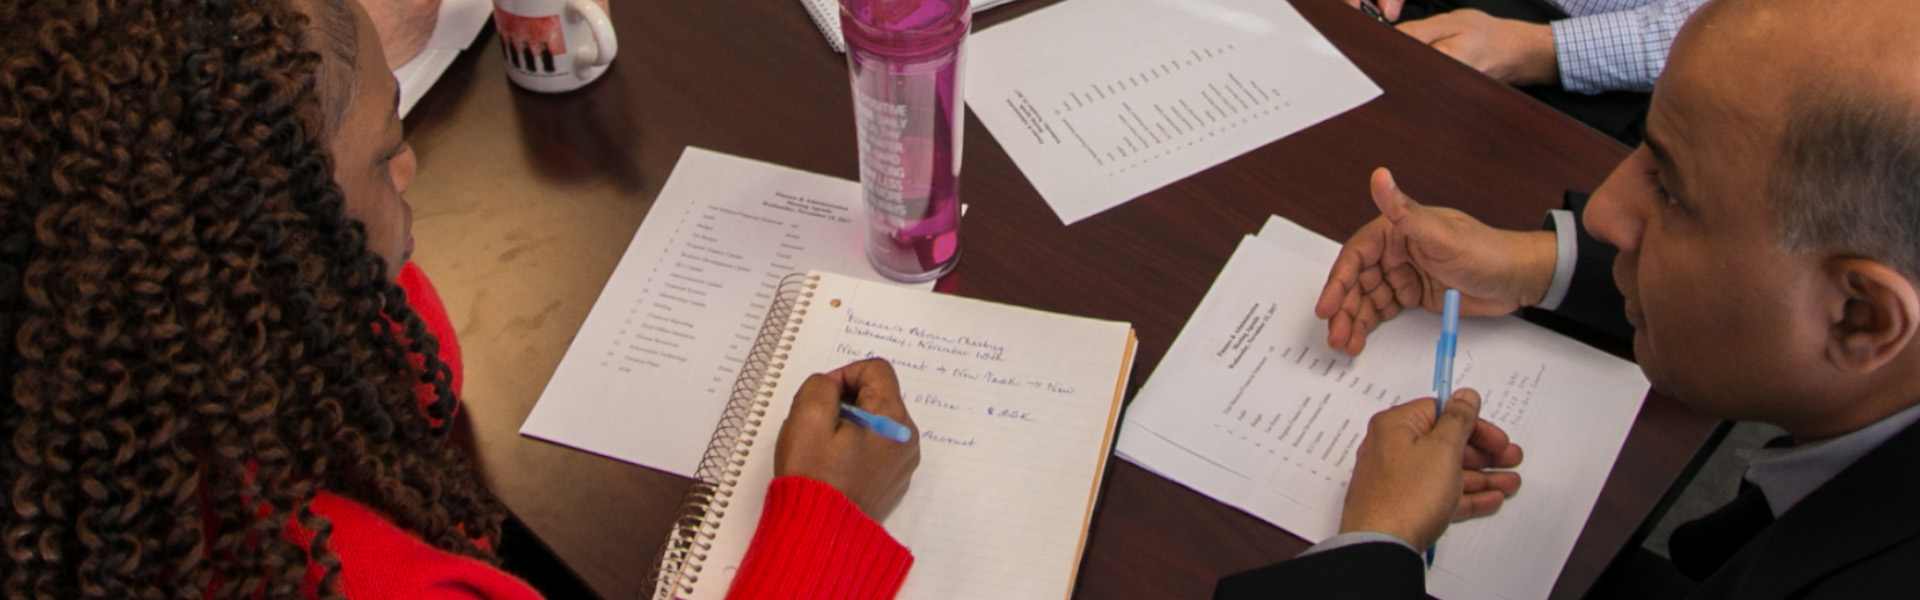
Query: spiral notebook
x,y
826,15
1016,410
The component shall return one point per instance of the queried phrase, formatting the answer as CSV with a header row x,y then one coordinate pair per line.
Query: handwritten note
x,y
1015,409
1251,407
663,344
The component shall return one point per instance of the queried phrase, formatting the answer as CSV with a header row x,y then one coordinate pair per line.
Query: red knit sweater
x,y
812,541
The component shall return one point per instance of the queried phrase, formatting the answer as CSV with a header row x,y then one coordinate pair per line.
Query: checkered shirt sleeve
x,y
1616,44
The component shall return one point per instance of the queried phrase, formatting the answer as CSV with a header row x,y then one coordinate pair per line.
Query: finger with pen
x,y
1384,11
1416,472
887,428
849,429
1372,9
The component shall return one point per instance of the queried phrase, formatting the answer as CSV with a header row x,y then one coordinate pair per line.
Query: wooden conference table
x,y
524,203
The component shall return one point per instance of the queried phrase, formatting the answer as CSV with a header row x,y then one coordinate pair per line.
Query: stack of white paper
x,y
1251,407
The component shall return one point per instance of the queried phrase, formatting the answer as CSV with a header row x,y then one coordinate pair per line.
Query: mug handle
x,y
604,46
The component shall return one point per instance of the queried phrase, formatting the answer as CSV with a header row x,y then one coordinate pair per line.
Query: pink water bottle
x,y
905,59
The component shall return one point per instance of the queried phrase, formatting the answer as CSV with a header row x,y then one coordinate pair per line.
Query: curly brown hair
x,y
200,340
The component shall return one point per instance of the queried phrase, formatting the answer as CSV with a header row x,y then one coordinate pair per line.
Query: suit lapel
x,y
1866,508
1702,546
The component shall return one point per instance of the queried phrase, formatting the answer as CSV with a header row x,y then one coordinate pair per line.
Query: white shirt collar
x,y
1788,475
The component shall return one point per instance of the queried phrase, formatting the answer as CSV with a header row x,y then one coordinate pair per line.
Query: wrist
x,y
1540,65
1539,253
1403,528
1354,538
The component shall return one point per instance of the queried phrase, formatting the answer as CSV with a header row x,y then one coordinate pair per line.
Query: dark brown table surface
x,y
524,203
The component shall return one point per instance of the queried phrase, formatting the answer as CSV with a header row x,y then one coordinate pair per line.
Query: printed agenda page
x,y
1250,407
650,371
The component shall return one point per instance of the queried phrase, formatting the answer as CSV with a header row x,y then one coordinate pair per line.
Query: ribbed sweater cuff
x,y
814,543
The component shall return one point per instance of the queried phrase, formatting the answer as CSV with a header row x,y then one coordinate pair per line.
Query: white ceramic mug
x,y
554,45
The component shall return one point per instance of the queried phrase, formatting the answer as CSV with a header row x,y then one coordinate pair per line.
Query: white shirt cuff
x,y
1569,251
1353,538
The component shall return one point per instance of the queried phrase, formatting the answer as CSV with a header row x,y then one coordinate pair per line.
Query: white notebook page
x,y
1016,410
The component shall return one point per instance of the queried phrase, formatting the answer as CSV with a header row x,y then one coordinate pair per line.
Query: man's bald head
x,y
1797,41
1835,87
1769,226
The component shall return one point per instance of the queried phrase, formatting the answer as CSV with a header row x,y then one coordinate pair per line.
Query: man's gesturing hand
x,y
1412,254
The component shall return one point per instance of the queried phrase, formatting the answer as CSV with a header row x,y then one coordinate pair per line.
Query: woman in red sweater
x,y
216,387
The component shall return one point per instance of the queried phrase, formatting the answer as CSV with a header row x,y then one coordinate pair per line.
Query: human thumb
x,y
1457,421
1405,213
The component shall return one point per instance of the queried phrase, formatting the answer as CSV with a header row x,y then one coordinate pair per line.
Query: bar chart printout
x,y
1101,102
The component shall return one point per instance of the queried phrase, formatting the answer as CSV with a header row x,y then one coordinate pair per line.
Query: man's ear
x,y
1880,316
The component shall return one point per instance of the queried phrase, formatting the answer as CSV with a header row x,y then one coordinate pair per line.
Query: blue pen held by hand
x,y
1443,361
887,428
1443,354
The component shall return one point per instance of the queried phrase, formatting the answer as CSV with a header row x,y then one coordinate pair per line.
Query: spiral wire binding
x,y
678,567
826,16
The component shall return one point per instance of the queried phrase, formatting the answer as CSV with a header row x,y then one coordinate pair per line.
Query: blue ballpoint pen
x,y
1443,361
1443,355
887,428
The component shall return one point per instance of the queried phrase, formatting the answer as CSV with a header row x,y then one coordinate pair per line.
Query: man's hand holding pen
x,y
1413,474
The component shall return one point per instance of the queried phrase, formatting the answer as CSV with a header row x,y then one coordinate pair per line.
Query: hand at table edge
x,y
1513,51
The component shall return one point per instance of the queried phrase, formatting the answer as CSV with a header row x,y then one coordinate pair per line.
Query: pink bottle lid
x,y
905,28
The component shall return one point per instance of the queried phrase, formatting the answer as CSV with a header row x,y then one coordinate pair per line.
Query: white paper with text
x,y
1101,101
650,371
1250,407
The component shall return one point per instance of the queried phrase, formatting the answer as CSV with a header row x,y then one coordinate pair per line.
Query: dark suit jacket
x,y
1858,536
1592,298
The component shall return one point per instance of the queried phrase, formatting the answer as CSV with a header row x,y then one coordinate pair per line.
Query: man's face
x,y
1722,314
